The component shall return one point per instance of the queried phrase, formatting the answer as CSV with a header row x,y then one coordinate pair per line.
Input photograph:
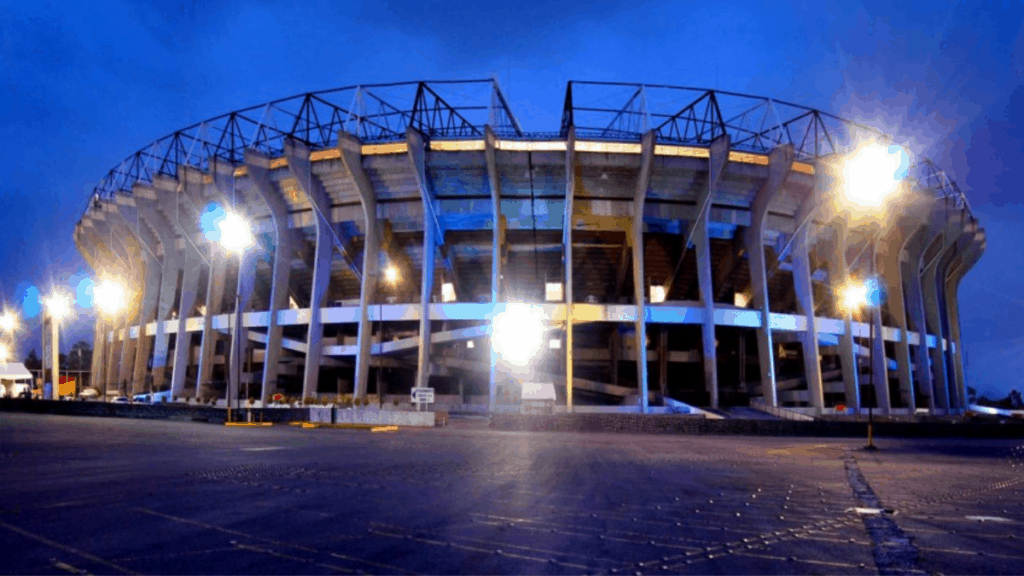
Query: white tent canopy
x,y
14,371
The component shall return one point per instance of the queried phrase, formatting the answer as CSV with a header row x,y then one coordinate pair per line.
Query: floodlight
x,y
8,322
658,294
110,297
740,300
58,305
447,292
853,296
470,344
553,291
518,332
391,275
871,177
235,233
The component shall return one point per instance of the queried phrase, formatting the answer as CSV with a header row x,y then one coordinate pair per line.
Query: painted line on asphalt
x,y
264,448
65,548
893,550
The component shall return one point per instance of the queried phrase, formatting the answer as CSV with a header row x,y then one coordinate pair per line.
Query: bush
x,y
310,401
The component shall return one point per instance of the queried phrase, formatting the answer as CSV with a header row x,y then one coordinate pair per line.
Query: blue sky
x,y
86,84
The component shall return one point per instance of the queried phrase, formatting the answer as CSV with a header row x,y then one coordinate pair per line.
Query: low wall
x,y
159,411
382,417
686,424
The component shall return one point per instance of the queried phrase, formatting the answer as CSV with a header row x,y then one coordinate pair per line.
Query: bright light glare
x,y
553,291
7,322
657,294
518,333
447,292
110,297
853,296
740,300
555,343
871,176
235,233
58,306
3,353
391,275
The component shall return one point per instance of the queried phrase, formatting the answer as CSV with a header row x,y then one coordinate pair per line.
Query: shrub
x,y
309,401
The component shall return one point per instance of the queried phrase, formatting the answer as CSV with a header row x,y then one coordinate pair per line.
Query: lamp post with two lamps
x,y
870,182
110,297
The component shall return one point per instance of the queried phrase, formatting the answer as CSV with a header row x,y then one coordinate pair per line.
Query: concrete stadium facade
x,y
731,219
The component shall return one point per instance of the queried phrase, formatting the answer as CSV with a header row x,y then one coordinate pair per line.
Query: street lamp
x,y
58,305
517,334
111,297
236,236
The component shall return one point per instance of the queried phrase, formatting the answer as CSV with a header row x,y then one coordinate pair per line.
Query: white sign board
x,y
423,395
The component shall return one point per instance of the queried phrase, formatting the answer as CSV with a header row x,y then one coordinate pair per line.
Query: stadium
x,y
396,227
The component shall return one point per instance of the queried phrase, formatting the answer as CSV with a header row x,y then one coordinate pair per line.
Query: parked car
x,y
120,400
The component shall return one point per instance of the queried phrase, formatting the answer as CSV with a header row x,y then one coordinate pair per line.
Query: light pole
x,y
235,235
870,182
111,297
58,306
391,277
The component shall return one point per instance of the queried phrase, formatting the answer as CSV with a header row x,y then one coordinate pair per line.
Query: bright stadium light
x,y
235,233
58,306
871,177
110,297
8,322
391,275
853,295
518,333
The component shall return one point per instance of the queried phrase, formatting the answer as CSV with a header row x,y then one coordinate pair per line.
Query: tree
x,y
32,362
80,357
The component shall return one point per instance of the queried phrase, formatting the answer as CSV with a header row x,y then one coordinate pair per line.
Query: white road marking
x,y
263,448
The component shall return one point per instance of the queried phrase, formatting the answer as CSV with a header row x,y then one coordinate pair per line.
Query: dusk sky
x,y
85,84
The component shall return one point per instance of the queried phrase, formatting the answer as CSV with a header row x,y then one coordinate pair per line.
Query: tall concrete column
x,y
351,157
948,263
936,274
890,252
637,230
838,275
719,155
779,162
946,230
88,246
185,219
911,278
145,199
417,159
805,305
216,285
497,245
237,195
258,169
880,366
966,261
120,262
127,270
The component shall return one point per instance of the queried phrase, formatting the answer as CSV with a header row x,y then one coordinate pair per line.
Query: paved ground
x,y
113,496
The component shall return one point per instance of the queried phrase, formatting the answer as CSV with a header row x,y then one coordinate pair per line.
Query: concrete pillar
x,y
88,247
258,169
351,157
933,282
637,230
216,285
946,268
947,227
663,360
805,305
879,376
175,205
890,251
719,155
417,158
965,262
910,273
145,199
779,162
838,274
497,244
567,262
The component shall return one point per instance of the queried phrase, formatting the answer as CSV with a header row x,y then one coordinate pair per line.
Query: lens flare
x,y
110,297
518,333
871,177
235,233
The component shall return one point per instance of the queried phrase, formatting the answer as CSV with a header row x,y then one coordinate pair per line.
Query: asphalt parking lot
x,y
116,496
